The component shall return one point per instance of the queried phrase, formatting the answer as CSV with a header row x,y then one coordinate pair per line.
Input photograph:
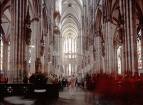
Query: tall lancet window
x,y
69,49
119,59
139,50
1,53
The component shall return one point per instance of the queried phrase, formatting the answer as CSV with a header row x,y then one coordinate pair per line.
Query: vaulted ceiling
x,y
71,18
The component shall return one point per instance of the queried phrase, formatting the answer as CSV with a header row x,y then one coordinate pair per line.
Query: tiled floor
x,y
70,97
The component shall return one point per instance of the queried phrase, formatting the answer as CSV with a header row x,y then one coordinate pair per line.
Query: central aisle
x,y
69,96
75,96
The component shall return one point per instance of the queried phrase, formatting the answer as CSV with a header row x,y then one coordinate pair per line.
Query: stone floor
x,y
70,97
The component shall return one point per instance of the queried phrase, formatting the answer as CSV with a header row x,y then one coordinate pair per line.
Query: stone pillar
x,y
38,38
0,32
130,44
109,48
98,53
115,60
17,44
0,54
133,33
34,25
122,61
142,42
46,55
58,53
5,58
79,47
38,45
28,31
56,47
124,49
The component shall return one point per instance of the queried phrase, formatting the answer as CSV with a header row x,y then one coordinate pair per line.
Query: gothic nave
x,y
88,51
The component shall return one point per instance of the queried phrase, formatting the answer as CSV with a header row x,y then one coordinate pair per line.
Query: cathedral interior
x,y
91,49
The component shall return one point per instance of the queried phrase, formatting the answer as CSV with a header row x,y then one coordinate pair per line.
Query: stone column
x,y
0,32
17,42
39,48
133,33
98,53
56,47
5,58
28,54
115,60
0,54
122,61
125,49
109,49
142,42
38,37
79,47
46,55
130,44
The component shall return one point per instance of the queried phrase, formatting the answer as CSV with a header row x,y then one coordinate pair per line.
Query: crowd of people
x,y
115,85
71,81
33,78
106,84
